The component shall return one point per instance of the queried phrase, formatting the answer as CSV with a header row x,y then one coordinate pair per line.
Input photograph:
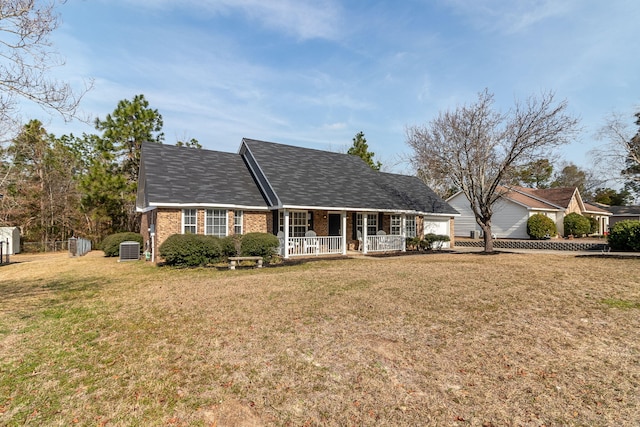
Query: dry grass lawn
x,y
441,339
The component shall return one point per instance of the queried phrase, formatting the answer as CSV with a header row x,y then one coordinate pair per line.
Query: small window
x,y
396,225
298,223
237,222
372,224
410,223
216,222
189,221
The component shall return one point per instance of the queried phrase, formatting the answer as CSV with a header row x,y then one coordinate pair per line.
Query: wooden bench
x,y
233,260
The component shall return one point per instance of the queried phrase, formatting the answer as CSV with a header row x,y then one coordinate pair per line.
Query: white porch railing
x,y
385,243
305,246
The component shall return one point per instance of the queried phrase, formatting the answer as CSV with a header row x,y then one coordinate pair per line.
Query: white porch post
x,y
364,233
403,227
286,233
344,232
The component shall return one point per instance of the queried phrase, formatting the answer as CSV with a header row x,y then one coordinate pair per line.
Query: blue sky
x,y
314,73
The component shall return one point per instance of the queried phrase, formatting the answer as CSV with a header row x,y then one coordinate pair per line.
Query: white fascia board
x,y
147,209
448,215
601,213
362,210
207,205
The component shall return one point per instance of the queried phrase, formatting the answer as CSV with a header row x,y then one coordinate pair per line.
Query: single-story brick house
x,y
317,202
517,204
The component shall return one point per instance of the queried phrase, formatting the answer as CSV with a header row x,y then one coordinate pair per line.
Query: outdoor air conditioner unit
x,y
475,234
129,251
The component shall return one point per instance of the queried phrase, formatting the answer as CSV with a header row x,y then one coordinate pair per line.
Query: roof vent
x,y
129,251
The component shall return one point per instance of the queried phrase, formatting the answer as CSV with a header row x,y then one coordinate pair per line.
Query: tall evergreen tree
x,y
360,148
111,180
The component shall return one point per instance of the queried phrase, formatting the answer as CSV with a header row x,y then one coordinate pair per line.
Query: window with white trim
x,y
372,223
189,221
298,223
215,222
396,225
237,222
410,224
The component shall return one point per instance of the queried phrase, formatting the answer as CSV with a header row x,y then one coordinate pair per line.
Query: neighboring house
x,y
317,202
621,213
512,211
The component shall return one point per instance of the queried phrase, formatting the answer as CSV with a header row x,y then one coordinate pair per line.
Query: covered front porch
x,y
326,232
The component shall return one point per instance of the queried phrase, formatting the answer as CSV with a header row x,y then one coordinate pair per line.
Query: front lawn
x,y
429,339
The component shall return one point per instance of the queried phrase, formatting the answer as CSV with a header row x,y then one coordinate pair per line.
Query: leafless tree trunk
x,y
478,148
621,153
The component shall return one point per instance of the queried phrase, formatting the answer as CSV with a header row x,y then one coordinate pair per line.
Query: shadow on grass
x,y
16,295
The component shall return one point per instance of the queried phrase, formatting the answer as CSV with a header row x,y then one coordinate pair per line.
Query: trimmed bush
x,y
259,244
625,236
540,226
191,250
434,241
230,245
576,225
413,243
111,244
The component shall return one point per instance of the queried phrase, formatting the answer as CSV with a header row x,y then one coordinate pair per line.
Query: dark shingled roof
x,y
315,178
300,177
185,175
624,210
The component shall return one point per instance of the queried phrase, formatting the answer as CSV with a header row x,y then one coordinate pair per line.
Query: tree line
x,y
56,187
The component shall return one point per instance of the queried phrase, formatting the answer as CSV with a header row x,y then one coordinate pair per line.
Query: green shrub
x,y
231,245
413,243
593,225
259,244
625,236
576,225
111,244
540,226
433,241
191,250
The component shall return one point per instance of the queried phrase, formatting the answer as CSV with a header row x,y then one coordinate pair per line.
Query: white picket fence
x,y
385,243
305,246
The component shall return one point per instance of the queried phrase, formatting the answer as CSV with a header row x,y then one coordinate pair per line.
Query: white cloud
x,y
335,126
304,19
507,16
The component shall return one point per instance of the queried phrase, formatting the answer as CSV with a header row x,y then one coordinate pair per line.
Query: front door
x,y
334,224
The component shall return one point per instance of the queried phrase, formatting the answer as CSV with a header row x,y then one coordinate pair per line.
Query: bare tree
x,y
27,57
478,149
621,153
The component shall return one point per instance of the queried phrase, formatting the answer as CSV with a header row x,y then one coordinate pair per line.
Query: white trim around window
x,y
189,221
238,218
215,222
411,229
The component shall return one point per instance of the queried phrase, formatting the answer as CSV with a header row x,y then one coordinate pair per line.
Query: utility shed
x,y
12,236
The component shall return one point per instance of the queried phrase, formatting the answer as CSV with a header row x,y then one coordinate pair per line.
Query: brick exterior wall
x,y
452,235
168,221
257,222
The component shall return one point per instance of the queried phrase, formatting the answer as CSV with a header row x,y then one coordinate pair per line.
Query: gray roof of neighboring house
x,y
624,210
299,177
315,178
185,175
